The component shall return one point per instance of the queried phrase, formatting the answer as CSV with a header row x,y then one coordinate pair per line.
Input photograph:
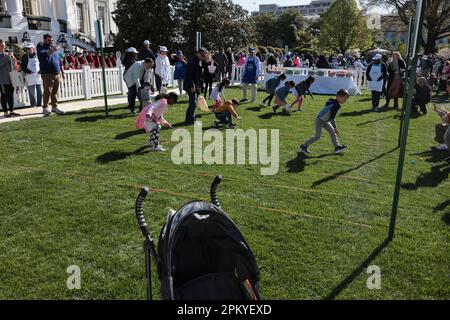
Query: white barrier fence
x,y
87,83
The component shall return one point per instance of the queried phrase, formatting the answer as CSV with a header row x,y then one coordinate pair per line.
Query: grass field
x,y
69,183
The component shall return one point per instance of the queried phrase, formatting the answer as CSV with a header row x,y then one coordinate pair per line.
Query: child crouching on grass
x,y
327,119
443,129
281,95
218,93
225,112
301,90
271,87
152,119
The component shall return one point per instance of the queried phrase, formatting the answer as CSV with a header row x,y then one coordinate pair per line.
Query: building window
x,y
80,17
27,7
101,10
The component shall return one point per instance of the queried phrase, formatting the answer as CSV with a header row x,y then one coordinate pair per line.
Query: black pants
x,y
395,102
7,99
208,84
376,95
132,94
224,117
158,81
419,104
384,92
269,98
190,112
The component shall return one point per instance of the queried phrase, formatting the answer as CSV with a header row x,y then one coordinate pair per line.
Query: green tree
x,y
436,19
264,25
221,22
344,27
138,20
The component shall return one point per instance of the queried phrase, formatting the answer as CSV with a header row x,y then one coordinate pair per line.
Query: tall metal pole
x,y
100,44
409,54
420,8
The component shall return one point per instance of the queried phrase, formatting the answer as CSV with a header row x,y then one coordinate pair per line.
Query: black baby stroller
x,y
202,255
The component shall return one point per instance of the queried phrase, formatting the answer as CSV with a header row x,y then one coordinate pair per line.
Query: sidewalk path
x,y
29,113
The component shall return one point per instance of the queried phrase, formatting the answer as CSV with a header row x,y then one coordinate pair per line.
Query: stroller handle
x,y
215,184
140,211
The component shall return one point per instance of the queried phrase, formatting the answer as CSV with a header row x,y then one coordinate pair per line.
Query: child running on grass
x,y
327,119
281,95
271,87
301,90
151,118
225,112
218,93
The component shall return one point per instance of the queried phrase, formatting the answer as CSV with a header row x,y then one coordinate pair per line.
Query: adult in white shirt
x,y
162,69
30,65
135,78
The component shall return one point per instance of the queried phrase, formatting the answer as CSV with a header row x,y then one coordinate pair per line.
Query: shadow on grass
x,y
360,269
103,117
343,172
297,164
129,134
446,218
442,206
256,109
363,112
432,179
96,110
269,115
120,155
432,155
373,121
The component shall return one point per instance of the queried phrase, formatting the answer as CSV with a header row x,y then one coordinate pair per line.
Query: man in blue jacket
x,y
52,73
326,119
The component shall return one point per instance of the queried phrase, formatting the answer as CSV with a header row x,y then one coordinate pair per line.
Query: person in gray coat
x,y
135,78
6,88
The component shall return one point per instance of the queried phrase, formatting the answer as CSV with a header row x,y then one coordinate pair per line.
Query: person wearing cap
x,y
193,82
326,119
90,58
31,67
180,70
130,58
250,70
376,73
162,69
137,77
426,66
112,60
82,60
146,52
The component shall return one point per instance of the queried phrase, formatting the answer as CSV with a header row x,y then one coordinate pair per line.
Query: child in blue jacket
x,y
326,118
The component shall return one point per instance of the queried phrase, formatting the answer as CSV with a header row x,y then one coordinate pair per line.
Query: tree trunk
x,y
429,45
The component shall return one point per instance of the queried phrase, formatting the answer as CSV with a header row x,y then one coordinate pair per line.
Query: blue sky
x,y
253,5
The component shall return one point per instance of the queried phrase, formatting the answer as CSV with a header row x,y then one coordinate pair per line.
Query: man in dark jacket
x,y
146,52
221,59
192,82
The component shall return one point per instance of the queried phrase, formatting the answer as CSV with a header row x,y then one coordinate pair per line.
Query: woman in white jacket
x,y
376,73
162,69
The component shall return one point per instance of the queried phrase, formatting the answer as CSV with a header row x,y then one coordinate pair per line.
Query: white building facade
x,y
314,9
73,19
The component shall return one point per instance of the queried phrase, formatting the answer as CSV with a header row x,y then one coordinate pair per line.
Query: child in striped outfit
x,y
218,93
152,119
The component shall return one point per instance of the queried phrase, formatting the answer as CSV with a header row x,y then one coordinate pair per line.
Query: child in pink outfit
x,y
152,119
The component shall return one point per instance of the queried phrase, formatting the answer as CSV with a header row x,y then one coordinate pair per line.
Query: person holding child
x,y
281,95
271,87
152,119
301,90
326,119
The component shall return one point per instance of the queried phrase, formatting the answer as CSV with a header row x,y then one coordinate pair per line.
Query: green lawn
x,y
69,183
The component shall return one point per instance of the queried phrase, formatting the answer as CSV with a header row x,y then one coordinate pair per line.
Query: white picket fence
x,y
87,83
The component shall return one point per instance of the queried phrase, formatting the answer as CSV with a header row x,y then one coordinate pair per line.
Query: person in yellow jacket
x,y
225,112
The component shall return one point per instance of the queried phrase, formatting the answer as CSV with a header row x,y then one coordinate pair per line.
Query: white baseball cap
x,y
132,49
163,49
146,43
377,57
28,46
